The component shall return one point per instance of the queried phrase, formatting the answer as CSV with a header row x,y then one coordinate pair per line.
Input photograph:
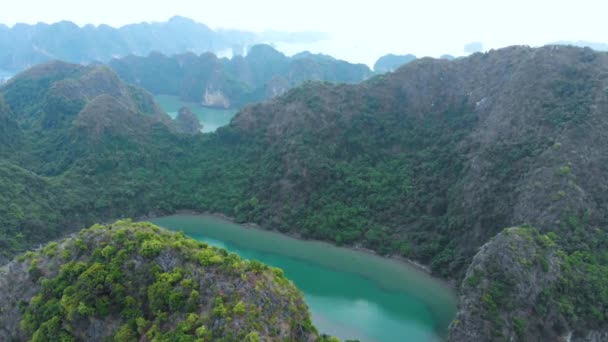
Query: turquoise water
x,y
351,295
210,118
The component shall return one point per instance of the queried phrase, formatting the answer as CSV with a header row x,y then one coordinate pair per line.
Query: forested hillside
x,y
430,163
440,155
129,281
262,74
64,125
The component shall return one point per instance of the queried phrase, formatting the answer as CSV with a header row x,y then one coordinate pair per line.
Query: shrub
x,y
520,325
252,337
125,334
151,248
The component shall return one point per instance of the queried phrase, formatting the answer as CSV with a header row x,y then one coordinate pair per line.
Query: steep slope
x,y
60,86
264,73
9,132
434,160
66,126
481,143
429,162
29,210
23,46
524,286
127,281
440,155
59,102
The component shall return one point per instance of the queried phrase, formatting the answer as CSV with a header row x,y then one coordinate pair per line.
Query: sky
x,y
360,30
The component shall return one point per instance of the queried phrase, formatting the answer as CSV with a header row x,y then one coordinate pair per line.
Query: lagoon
x,y
210,118
351,294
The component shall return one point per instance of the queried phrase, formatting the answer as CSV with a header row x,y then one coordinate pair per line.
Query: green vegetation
x,y
262,74
582,290
154,284
428,163
382,176
574,292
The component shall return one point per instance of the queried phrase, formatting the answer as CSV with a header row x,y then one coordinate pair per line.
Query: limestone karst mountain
x,y
127,281
431,162
262,74
23,45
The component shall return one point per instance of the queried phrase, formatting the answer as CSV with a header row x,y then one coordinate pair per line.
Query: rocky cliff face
x,y
215,98
515,290
135,281
277,86
501,293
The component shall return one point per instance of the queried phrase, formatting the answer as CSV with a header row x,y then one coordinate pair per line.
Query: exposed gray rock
x,y
502,286
215,98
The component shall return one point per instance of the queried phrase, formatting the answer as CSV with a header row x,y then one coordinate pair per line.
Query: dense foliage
x,y
526,285
428,163
144,282
582,290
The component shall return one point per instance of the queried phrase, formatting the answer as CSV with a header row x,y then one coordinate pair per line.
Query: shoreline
x,y
249,225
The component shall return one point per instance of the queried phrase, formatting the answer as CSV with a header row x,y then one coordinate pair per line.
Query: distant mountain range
x,y
262,74
581,43
22,45
391,62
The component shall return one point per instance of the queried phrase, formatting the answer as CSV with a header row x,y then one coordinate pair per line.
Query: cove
x,y
210,118
351,294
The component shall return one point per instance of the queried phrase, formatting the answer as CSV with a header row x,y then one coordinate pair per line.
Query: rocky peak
x,y
503,285
58,91
526,286
392,62
187,122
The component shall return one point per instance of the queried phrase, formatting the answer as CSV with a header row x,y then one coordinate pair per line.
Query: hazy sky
x,y
361,30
